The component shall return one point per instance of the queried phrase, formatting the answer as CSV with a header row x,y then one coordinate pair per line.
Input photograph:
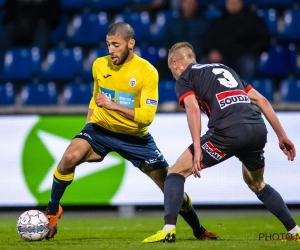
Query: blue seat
x,y
73,5
88,29
58,34
39,94
265,87
7,94
2,2
274,3
62,64
212,13
151,54
270,17
94,53
289,90
290,31
158,28
167,95
278,61
140,21
21,64
105,5
77,93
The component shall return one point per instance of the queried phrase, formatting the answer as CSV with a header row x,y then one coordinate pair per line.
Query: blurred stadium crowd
x,y
48,46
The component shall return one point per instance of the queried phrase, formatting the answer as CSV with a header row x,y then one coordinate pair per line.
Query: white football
x,y
33,225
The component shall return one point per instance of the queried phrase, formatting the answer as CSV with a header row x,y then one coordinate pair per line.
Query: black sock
x,y
275,204
192,219
173,197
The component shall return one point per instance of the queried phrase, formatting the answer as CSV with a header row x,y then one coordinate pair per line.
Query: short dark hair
x,y
121,29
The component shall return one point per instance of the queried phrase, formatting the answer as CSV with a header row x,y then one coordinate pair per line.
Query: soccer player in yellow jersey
x,y
122,107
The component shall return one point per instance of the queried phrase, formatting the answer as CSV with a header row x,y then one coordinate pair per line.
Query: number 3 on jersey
x,y
226,79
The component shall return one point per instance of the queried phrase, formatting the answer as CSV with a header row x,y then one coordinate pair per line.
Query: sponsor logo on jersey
x,y
132,82
228,98
122,98
151,102
213,151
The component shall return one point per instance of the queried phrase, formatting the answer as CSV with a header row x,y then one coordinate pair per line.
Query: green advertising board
x,y
43,148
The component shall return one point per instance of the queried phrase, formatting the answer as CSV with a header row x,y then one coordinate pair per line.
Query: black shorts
x,y
245,141
136,149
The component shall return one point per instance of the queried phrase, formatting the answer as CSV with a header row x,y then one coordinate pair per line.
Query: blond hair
x,y
187,51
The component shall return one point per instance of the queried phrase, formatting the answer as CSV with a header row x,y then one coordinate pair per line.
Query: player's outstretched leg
x,y
173,200
271,199
53,214
188,213
54,210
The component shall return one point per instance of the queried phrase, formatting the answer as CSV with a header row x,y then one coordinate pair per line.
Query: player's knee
x,y
70,159
256,186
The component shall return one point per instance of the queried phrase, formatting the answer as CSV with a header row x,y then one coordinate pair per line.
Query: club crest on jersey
x,y
213,151
228,98
151,102
132,82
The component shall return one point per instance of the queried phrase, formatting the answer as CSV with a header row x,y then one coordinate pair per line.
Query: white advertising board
x,y
31,147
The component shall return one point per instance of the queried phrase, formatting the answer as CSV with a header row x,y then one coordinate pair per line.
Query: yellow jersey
x,y
134,85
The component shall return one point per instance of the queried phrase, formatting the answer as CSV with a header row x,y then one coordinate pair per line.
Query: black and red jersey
x,y
221,94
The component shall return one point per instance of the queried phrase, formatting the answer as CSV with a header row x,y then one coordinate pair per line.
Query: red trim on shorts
x,y
190,151
180,101
248,88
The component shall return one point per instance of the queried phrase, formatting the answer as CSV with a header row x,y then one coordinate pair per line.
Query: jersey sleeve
x,y
148,102
92,104
183,89
246,85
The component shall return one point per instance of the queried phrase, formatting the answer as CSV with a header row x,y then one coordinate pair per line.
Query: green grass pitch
x,y
238,229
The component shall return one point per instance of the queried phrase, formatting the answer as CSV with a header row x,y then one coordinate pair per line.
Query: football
x,y
33,225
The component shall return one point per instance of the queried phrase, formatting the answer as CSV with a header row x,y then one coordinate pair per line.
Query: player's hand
x,y
197,163
102,100
287,148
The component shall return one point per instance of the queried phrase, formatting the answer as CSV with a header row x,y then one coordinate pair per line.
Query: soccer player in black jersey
x,y
236,128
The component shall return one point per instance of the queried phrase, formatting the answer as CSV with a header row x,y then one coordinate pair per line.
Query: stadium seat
x,y
151,54
73,5
21,64
274,3
62,64
167,100
39,94
289,90
77,93
290,31
157,30
140,21
278,61
88,29
94,53
270,17
7,94
58,34
265,87
106,5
